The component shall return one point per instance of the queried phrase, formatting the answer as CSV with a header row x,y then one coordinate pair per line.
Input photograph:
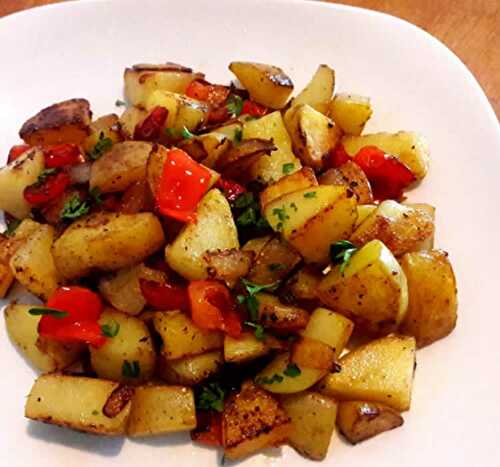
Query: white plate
x,y
80,49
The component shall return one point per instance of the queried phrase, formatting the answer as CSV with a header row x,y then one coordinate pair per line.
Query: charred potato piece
x,y
273,314
304,284
228,265
64,122
243,349
105,127
206,148
190,370
350,112
318,91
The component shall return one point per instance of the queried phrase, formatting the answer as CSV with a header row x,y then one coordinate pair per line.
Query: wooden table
x,y
471,28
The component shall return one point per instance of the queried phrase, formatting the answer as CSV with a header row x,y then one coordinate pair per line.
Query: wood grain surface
x,y
471,28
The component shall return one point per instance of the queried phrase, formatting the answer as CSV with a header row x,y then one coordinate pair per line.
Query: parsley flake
x,y
292,370
247,217
103,145
310,194
244,200
238,135
341,253
234,105
74,208
186,134
258,330
110,329
44,311
288,168
269,380
211,397
131,370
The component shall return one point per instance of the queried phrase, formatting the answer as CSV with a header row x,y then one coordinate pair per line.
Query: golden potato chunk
x,y
245,348
318,91
304,284
105,127
350,112
275,315
129,120
190,370
228,265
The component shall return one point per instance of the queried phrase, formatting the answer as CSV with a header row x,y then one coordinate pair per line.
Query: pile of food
x,y
224,260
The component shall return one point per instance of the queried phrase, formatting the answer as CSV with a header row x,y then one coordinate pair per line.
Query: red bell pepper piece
x,y
210,429
164,296
339,157
253,109
150,128
83,308
17,151
213,308
231,189
182,185
62,155
52,188
388,176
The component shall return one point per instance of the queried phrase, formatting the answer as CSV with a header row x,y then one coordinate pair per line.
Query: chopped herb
x,y
186,134
262,224
279,226
96,195
247,217
131,370
44,311
341,252
266,380
11,227
288,168
120,103
244,200
258,330
74,208
294,207
110,329
234,105
241,299
254,289
250,301
292,370
275,267
211,397
281,214
95,412
310,194
104,144
238,135
43,176
252,305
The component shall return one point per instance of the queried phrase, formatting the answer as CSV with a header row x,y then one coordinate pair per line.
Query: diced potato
x,y
372,290
267,84
129,120
312,353
350,112
252,420
247,347
214,229
429,211
256,245
410,148
313,135
64,122
275,315
313,422
206,148
318,91
107,126
182,338
132,346
160,409
228,265
23,330
190,370
358,420
281,162
106,241
401,228
83,404
33,265
364,210
432,289
380,371
143,79
304,284
15,177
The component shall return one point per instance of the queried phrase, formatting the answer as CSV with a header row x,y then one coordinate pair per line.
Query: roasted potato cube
x,y
129,120
15,177
380,371
372,290
364,210
432,308
106,241
182,338
313,422
228,265
206,148
350,112
255,245
313,135
304,284
158,409
64,122
243,349
107,126
318,91
213,230
311,353
252,420
275,315
131,347
267,84
83,404
190,370
429,211
401,228
358,420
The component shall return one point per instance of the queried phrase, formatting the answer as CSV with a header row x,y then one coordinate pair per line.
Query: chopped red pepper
x,y
388,176
52,188
218,115
231,189
83,308
213,308
164,296
182,185
253,109
339,156
209,431
17,151
150,128
62,155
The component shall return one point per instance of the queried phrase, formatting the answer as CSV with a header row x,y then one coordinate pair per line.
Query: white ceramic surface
x,y
80,49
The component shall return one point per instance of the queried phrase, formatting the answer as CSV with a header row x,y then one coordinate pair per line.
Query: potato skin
x,y
432,308
106,241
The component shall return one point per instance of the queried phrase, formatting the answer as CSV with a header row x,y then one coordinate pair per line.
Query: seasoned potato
x,y
304,284
131,347
350,112
106,241
409,148
275,315
83,404
23,330
107,126
312,353
214,229
182,338
364,210
318,91
313,135
158,409
247,347
33,264
190,370
313,422
129,120
252,420
15,177
372,290
401,228
432,308
64,122
430,212
228,265
358,420
255,245
206,148
143,79
380,371
267,84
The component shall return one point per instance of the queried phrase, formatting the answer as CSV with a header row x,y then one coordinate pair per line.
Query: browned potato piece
x,y
429,211
107,126
190,370
154,167
273,314
245,348
129,120
351,176
64,122
267,84
252,420
318,92
350,112
304,284
432,307
312,353
6,277
358,420
228,265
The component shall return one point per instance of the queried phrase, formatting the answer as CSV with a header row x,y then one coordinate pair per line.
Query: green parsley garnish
x,y
95,194
247,217
294,207
292,370
11,227
131,370
44,311
288,168
262,224
251,215
341,252
110,329
281,214
250,301
183,133
74,208
254,289
244,200
120,103
310,194
238,135
266,380
275,267
258,330
103,145
186,134
44,175
211,397
234,105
